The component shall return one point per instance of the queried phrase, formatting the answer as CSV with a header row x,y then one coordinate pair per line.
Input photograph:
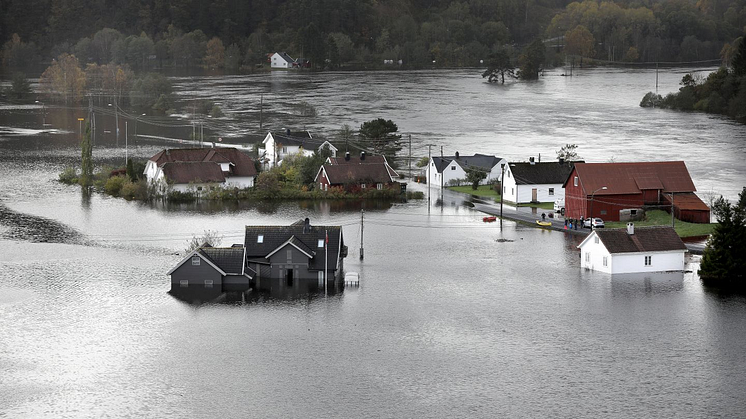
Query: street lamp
x,y
592,194
43,113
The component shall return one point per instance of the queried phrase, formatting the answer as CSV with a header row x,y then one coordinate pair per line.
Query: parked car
x,y
597,223
559,206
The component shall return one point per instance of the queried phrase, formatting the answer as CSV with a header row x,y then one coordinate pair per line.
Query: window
x,y
512,191
551,191
648,260
575,181
606,261
633,212
321,242
587,256
184,283
362,186
199,188
208,283
284,149
326,186
595,240
321,278
195,260
453,167
603,212
379,186
508,173
289,254
503,190
260,238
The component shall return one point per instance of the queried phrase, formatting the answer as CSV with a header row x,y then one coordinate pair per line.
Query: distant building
x,y
535,181
633,250
194,169
356,173
281,60
608,189
279,144
450,169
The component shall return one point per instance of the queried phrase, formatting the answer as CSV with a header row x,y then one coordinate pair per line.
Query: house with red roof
x,y
197,169
356,173
607,189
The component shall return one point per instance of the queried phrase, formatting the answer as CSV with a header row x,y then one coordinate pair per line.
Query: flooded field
x,y
453,318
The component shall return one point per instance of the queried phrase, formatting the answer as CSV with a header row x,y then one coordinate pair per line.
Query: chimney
x,y
531,160
307,225
561,160
168,152
630,228
347,156
362,155
457,154
539,157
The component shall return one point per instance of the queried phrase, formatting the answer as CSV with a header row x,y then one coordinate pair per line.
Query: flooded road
x,y
453,318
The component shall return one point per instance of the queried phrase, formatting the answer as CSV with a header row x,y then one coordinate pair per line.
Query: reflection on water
x,y
318,206
647,283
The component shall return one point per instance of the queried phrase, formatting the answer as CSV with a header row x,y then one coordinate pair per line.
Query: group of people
x,y
572,223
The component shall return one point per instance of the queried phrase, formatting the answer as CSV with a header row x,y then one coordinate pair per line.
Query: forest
x,y
237,35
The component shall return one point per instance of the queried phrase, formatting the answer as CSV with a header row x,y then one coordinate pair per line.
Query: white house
x,y
452,169
535,182
633,250
281,60
196,169
278,145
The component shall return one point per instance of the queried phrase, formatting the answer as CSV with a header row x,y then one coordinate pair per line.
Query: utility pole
x,y
672,211
116,117
410,155
429,169
326,261
126,136
656,77
261,111
362,225
502,189
441,177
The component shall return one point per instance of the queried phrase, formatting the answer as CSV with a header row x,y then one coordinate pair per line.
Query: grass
x,y
662,218
482,191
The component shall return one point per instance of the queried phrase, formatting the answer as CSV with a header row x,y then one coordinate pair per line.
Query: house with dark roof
x,y
608,189
279,144
451,170
633,250
356,173
281,60
197,169
295,256
212,269
535,181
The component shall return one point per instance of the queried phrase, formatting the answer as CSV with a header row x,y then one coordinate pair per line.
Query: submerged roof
x,y
645,239
198,172
229,259
540,173
358,173
242,164
477,161
274,237
633,178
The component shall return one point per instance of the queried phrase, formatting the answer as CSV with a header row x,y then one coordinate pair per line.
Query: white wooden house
x,y
277,145
281,60
633,250
449,170
535,181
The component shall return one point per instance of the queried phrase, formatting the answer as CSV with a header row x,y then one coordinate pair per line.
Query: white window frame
x,y
453,167
575,181
587,256
183,283
362,186
649,260
260,238
379,186
606,260
551,191
595,240
196,260
209,283
321,243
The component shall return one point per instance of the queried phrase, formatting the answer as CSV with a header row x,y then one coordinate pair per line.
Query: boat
x,y
543,223
489,219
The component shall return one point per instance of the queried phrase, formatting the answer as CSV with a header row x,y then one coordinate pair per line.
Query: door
x,y
534,195
289,278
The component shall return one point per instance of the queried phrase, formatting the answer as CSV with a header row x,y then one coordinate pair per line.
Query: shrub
x,y
114,185
134,190
69,176
178,196
651,100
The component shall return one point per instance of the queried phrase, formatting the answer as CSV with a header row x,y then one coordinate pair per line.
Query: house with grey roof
x,y
633,250
281,60
213,269
294,256
532,181
279,144
451,170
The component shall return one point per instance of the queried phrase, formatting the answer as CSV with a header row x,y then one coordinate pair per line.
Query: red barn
x,y
604,189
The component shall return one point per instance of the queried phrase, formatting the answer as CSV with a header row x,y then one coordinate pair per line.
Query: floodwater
x,y
453,318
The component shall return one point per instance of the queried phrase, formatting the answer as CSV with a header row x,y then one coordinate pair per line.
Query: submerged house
x,y
448,170
535,181
196,169
292,256
356,173
212,268
279,144
633,250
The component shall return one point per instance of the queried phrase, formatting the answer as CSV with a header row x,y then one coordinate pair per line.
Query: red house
x,y
352,173
604,189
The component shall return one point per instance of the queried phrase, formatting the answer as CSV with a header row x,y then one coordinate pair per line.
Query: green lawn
x,y
660,217
482,191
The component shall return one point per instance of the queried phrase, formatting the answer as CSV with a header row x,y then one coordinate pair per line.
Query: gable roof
x,y
285,57
477,161
277,236
196,252
229,259
540,173
357,173
368,160
293,241
633,178
186,172
243,165
645,239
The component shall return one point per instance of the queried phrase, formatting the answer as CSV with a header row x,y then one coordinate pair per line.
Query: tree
x,y
474,176
738,62
498,66
579,41
86,158
131,171
380,136
20,88
423,161
214,54
531,60
150,89
724,260
64,78
568,152
17,54
209,238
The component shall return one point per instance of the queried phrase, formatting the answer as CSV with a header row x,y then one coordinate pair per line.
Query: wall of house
x,y
592,253
195,275
151,170
524,193
298,262
278,61
509,187
239,182
270,152
660,262
452,172
496,173
693,216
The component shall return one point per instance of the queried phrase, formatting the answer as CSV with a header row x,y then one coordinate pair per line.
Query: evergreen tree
x,y
86,158
724,260
739,59
498,66
531,61
380,135
131,171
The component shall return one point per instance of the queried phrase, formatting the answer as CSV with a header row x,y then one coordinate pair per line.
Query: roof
x,y
632,178
540,173
367,160
187,172
357,173
243,165
285,57
229,259
278,236
688,201
645,239
477,161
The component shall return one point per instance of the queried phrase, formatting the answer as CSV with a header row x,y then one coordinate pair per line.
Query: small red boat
x,y
489,219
